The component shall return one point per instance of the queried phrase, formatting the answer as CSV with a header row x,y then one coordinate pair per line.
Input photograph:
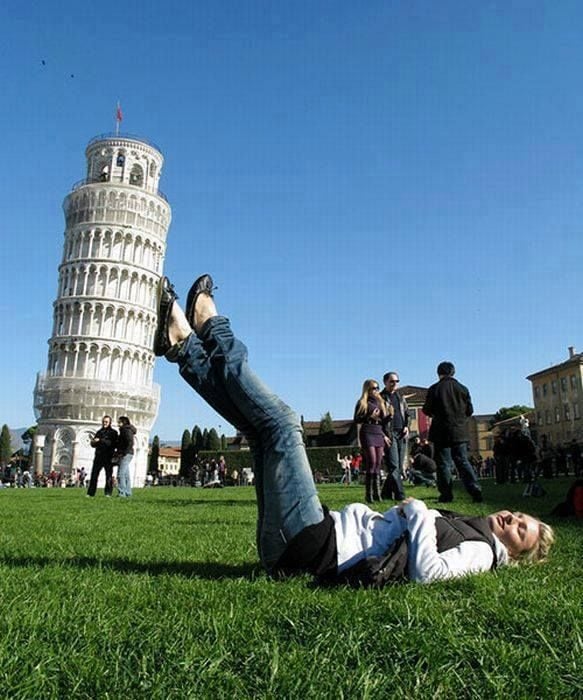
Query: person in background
x,y
125,449
370,415
449,405
346,469
397,430
104,441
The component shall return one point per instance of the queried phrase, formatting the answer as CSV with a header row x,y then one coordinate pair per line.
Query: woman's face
x,y
373,389
518,532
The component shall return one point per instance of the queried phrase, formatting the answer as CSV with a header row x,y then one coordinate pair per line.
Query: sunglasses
x,y
394,381
374,388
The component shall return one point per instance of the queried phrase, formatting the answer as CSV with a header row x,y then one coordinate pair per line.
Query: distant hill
x,y
168,443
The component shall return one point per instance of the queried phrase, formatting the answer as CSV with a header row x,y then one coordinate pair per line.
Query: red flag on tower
x,y
118,118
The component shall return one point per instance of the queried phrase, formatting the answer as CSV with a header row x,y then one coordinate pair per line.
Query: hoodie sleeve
x,y
426,564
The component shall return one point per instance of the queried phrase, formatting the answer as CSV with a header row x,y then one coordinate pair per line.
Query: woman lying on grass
x,y
295,533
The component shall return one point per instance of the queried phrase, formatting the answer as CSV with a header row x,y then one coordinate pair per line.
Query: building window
x,y
413,413
563,384
548,417
554,386
539,418
120,161
567,411
545,389
536,392
557,415
573,379
576,413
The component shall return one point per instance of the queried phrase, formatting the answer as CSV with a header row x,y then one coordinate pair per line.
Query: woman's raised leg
x,y
290,499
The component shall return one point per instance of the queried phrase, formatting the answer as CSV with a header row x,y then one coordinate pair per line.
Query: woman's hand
x,y
387,440
402,505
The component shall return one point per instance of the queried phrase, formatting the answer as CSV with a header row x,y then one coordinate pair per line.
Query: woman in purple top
x,y
370,415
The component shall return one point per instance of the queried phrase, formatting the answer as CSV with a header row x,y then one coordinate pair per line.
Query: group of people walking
x,y
113,448
382,419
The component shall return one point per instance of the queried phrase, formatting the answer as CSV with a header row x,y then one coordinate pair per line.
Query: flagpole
x,y
117,118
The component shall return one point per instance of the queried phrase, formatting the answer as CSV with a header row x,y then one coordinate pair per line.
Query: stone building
x,y
169,461
100,358
481,435
558,400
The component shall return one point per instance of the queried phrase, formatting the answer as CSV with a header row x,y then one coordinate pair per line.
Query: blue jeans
x,y
215,365
445,457
124,482
394,460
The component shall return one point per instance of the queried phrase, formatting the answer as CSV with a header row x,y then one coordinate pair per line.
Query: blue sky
x,y
374,186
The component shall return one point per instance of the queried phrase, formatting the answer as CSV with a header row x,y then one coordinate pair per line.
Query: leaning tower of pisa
x,y
100,351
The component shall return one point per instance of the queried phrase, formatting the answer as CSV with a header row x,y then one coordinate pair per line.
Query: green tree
x,y
326,425
28,438
205,439
213,440
153,465
223,442
186,455
5,445
509,412
197,439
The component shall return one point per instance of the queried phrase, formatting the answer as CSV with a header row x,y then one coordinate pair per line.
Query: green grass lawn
x,y
162,597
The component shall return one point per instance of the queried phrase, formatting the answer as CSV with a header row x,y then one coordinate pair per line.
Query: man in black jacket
x,y
397,431
104,441
449,405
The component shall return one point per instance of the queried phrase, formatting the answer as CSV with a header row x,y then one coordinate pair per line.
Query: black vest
x,y
453,529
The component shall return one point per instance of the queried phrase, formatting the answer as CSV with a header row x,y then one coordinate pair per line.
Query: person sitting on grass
x,y
295,533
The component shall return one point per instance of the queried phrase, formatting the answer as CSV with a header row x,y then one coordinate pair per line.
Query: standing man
x,y
104,441
125,449
397,431
449,405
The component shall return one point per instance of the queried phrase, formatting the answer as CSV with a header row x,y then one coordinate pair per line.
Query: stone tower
x,y
100,352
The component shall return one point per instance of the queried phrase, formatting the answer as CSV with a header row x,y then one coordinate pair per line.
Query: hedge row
x,y
322,459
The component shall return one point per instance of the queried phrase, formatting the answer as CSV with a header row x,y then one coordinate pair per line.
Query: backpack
x,y
376,572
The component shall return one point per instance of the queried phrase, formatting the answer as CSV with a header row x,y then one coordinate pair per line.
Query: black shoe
x,y
477,497
445,498
203,285
166,298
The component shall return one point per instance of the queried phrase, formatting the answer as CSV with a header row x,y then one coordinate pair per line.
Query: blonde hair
x,y
362,405
540,550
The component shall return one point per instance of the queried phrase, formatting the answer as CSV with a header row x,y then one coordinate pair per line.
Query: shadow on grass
x,y
204,570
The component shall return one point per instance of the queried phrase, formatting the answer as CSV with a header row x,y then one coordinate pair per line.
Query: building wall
x,y
169,464
558,402
481,437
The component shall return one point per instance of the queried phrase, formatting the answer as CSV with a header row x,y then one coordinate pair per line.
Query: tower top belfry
x,y
124,160
100,352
